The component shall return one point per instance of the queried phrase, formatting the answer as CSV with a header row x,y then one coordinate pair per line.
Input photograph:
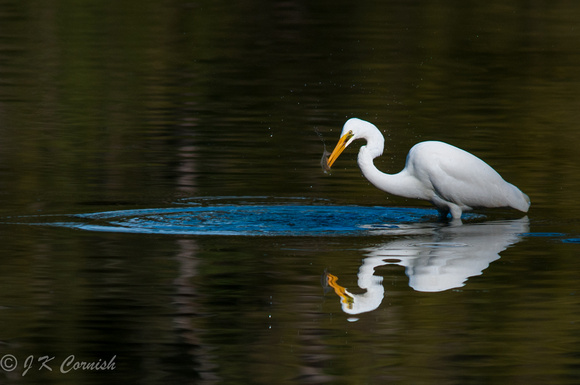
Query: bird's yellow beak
x,y
340,146
346,298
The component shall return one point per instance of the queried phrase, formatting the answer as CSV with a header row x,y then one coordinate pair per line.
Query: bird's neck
x,y
401,184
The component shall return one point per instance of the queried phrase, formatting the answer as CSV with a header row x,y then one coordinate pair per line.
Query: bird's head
x,y
354,129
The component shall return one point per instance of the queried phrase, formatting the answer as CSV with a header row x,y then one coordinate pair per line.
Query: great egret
x,y
450,178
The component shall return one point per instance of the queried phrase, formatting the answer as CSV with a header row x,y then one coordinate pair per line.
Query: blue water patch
x,y
571,240
547,235
562,237
253,220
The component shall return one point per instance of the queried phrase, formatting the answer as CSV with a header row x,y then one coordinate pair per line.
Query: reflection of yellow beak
x,y
339,290
340,146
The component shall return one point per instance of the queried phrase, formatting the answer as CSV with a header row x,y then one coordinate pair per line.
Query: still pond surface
x,y
164,215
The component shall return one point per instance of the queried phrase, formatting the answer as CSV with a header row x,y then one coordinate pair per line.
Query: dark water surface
x,y
164,215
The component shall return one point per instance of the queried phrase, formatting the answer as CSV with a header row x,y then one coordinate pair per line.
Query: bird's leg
x,y
445,208
455,211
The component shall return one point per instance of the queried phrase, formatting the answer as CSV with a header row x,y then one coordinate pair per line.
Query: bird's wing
x,y
460,177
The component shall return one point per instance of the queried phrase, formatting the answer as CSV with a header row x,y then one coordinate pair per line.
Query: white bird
x,y
450,178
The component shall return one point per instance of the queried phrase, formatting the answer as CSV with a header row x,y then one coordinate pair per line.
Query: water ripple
x,y
253,220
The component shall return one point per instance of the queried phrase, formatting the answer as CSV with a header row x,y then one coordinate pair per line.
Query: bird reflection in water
x,y
443,260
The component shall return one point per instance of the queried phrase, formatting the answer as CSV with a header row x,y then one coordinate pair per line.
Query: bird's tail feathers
x,y
521,201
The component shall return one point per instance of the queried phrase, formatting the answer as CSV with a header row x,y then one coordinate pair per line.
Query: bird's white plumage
x,y
452,179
